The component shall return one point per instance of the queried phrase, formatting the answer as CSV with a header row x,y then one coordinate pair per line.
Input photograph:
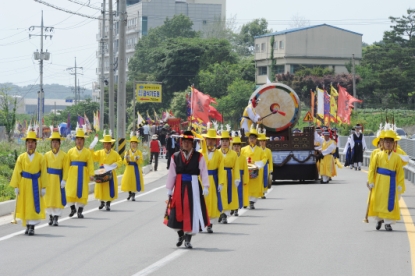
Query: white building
x,y
142,15
321,45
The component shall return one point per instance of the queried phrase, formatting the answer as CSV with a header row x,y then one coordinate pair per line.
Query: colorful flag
x,y
156,116
200,105
87,123
326,108
140,119
214,114
320,103
333,105
81,121
345,104
148,119
188,105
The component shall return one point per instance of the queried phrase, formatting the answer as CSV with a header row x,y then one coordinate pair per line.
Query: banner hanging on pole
x,y
148,93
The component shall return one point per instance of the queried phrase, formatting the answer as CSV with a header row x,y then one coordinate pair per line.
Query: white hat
x,y
154,136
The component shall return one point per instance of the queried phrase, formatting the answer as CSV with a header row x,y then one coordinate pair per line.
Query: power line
x,y
65,10
85,5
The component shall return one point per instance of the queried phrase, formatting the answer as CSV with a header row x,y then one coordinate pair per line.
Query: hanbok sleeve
x,y
171,176
17,177
43,171
204,177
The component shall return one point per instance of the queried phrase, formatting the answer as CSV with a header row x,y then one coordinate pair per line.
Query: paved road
x,y
300,229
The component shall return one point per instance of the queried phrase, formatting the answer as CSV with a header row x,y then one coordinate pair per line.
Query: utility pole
x,y
41,56
101,81
74,71
354,81
111,69
121,97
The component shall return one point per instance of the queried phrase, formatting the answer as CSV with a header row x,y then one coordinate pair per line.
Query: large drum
x,y
101,176
279,104
253,171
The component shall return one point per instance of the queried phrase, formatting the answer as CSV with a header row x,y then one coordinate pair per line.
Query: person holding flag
x,y
57,173
132,179
243,191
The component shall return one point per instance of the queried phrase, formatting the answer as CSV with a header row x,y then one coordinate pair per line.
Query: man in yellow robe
x,y
256,157
386,181
132,180
30,182
107,191
327,169
269,166
57,173
229,193
80,172
243,174
215,165
249,115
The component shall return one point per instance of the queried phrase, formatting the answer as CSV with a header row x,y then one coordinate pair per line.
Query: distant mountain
x,y
52,91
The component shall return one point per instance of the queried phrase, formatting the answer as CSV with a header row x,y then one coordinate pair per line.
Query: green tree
x,y
86,107
249,31
7,111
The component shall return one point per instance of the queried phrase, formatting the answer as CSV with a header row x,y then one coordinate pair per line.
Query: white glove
x,y
43,192
371,185
205,191
114,165
220,188
94,143
16,191
400,189
63,183
169,192
259,164
237,182
127,157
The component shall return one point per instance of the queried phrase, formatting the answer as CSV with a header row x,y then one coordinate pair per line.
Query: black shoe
x,y
80,209
181,238
128,198
31,230
225,219
102,205
50,220
27,229
236,213
73,211
232,212
209,229
251,205
187,239
359,168
133,196
388,227
107,207
355,168
220,218
379,224
263,197
55,221
245,207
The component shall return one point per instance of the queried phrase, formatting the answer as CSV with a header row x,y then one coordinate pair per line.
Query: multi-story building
x,y
142,15
320,45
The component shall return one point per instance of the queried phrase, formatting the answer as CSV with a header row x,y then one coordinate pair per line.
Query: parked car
x,y
401,132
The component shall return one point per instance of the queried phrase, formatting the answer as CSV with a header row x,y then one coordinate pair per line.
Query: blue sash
x,y
137,176
214,173
111,186
60,173
229,176
265,178
35,188
241,190
186,177
392,187
81,166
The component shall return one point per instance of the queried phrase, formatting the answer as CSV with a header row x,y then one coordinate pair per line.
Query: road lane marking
x,y
86,212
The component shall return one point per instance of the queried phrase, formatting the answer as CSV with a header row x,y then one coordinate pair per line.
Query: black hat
x,y
188,135
358,126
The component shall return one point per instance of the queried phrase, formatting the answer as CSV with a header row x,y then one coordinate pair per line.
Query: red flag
x,y
345,104
213,113
200,105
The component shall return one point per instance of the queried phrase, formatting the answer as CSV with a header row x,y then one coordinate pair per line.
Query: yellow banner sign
x,y
148,93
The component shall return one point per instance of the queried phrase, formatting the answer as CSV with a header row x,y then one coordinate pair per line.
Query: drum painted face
x,y
55,144
107,146
31,146
79,142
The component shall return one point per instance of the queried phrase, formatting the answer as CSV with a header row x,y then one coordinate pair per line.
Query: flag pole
x,y
191,106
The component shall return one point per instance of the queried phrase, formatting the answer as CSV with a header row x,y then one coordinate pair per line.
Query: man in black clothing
x,y
171,147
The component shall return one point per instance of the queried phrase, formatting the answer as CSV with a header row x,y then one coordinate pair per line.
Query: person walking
x,y
243,191
358,145
155,147
132,179
29,181
327,166
171,147
269,165
146,131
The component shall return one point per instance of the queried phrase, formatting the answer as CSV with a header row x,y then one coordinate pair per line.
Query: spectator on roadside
x,y
155,147
146,131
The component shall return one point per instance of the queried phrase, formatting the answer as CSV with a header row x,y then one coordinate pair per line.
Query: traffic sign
x,y
308,117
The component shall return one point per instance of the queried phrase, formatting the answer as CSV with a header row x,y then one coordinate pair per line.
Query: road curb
x,y
7,207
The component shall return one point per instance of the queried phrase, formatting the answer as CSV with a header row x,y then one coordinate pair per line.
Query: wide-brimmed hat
x,y
252,131
134,139
358,126
225,135
107,139
31,136
392,135
80,133
187,135
379,136
236,139
262,137
154,137
56,136
211,133
326,133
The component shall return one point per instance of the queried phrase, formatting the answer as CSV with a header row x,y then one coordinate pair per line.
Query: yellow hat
x,y
31,135
225,135
252,131
211,134
377,139
134,139
107,139
56,136
262,137
237,140
391,134
80,133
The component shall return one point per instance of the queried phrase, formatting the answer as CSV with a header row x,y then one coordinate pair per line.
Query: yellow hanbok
x,y
243,188
268,168
132,180
26,174
256,154
56,172
80,166
384,201
107,191
229,193
327,167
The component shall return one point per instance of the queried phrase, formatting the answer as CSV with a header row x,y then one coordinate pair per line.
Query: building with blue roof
x,y
319,45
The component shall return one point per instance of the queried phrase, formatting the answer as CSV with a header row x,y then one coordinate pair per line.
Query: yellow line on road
x,y
410,229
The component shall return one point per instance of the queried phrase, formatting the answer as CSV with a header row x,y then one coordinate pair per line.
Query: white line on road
x,y
87,212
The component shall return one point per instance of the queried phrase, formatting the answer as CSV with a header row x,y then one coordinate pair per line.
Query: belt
x,y
214,173
60,173
392,187
35,188
80,166
229,176
137,176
